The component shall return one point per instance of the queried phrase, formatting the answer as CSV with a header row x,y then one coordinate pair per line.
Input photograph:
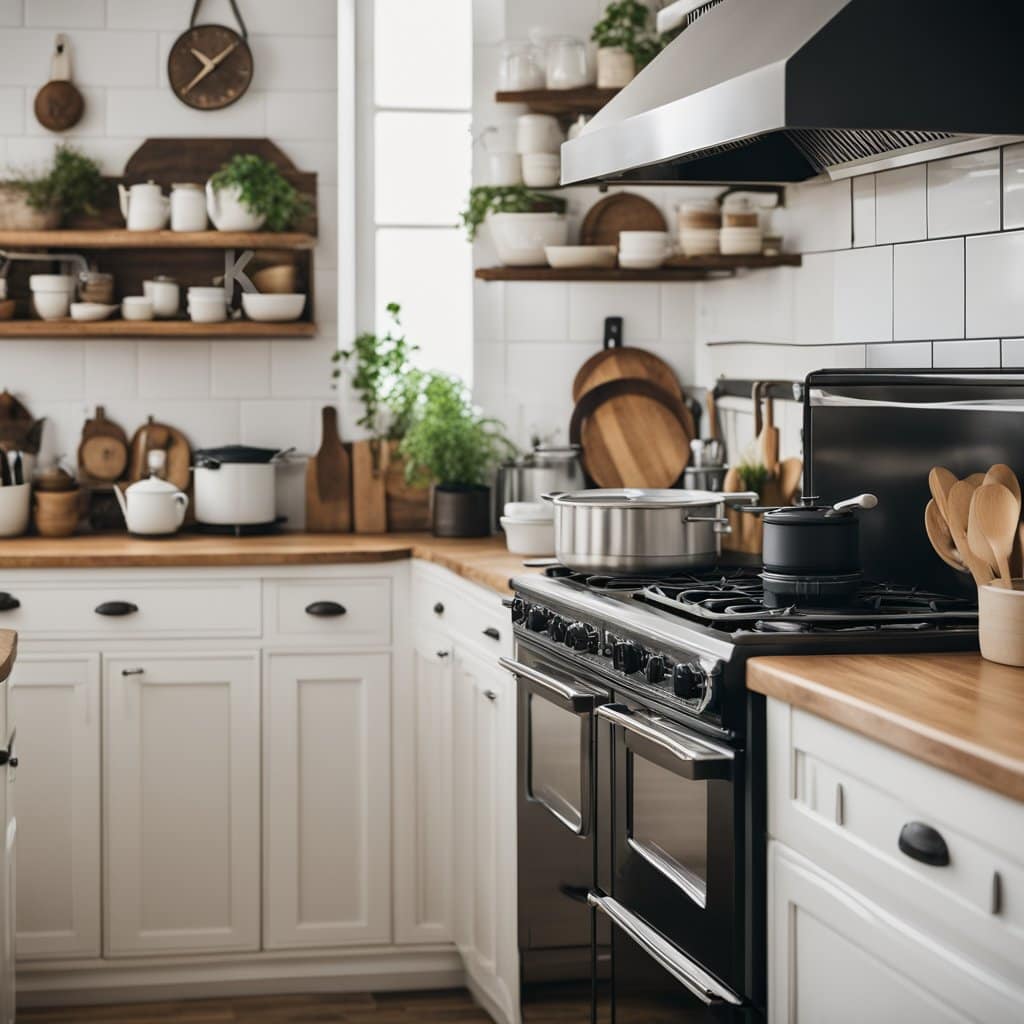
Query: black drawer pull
x,y
132,671
492,633
8,602
325,609
443,654
116,608
439,608
490,695
7,756
921,842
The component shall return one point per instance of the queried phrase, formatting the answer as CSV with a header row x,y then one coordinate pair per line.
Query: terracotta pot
x,y
615,67
462,511
17,215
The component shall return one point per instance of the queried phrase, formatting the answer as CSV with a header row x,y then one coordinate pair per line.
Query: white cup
x,y
538,133
164,294
52,305
506,169
541,170
14,505
207,310
136,307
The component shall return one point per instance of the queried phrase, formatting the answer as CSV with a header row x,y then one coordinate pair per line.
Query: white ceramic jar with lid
x,y
188,207
152,507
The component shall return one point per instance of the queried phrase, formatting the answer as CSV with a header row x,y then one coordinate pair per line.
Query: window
x,y
414,166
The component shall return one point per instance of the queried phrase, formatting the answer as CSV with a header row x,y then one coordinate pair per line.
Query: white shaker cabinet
x,y
181,802
327,771
56,701
9,825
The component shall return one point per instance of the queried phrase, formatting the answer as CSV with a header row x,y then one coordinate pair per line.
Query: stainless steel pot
x,y
628,532
538,472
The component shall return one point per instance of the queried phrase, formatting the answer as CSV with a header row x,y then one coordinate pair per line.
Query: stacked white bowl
x,y
699,223
741,228
538,140
529,528
206,305
643,250
52,294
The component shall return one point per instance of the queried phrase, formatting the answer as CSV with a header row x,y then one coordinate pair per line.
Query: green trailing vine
x,y
73,184
487,199
262,189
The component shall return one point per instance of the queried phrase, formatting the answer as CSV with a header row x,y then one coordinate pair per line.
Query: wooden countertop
x,y
955,711
485,561
8,651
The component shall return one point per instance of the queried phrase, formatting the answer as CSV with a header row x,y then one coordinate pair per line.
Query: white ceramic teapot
x,y
227,211
153,507
144,206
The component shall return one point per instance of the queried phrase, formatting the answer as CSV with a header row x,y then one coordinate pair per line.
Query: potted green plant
x,y
451,443
249,193
625,42
521,221
73,184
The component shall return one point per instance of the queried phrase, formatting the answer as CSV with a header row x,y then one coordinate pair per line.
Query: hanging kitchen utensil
x,y
996,511
767,432
329,482
617,361
941,539
622,211
59,105
632,434
103,451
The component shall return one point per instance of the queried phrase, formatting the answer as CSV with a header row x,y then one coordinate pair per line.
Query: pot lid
x,y
235,453
808,514
636,497
152,485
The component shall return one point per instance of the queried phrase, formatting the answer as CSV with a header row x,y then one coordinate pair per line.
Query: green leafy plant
x,y
263,189
485,199
449,440
626,26
73,184
753,476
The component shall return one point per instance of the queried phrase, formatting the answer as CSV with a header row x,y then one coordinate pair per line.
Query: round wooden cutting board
x,y
622,211
633,434
624,362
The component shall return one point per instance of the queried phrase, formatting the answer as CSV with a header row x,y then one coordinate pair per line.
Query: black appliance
x,y
641,755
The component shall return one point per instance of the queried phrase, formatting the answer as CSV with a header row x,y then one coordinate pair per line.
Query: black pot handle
x,y
923,843
8,602
115,608
326,609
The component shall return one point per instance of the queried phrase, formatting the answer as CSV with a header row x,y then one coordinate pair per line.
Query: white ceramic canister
x,y
188,207
165,295
538,133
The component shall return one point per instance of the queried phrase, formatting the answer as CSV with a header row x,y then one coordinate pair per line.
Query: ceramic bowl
x,y
206,292
136,307
273,308
575,256
207,310
631,261
541,170
51,305
280,279
520,238
88,311
52,283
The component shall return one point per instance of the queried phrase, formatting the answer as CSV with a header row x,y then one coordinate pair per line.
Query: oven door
x,y
677,826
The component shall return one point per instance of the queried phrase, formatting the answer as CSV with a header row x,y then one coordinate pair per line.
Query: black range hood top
x,y
786,90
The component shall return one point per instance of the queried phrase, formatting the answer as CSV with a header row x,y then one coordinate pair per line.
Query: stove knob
x,y
581,637
557,628
627,657
687,681
518,609
656,669
537,618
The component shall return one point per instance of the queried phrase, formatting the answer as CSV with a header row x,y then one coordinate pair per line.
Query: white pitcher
x,y
144,206
227,211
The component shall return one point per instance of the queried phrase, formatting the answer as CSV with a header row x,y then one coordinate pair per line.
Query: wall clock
x,y
210,66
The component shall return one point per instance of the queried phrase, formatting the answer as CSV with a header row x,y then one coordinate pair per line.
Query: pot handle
x,y
741,497
722,524
205,462
549,496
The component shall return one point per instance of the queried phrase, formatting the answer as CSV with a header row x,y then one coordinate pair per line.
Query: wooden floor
x,y
357,1008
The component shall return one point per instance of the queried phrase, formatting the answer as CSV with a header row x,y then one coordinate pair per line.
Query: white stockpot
x,y
235,485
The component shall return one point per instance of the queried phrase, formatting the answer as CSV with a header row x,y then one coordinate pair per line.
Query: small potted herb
x,y
522,222
72,185
626,43
248,193
451,443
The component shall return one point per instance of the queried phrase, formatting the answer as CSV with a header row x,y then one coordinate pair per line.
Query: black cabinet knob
x,y
116,608
325,609
924,843
491,632
8,602
439,608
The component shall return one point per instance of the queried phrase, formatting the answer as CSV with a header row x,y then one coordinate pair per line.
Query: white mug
x,y
506,169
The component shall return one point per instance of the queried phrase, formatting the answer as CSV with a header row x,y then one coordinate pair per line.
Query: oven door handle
x,y
688,973
688,756
579,702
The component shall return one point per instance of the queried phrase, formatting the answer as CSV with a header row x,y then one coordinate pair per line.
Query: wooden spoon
x,y
1017,563
940,481
998,513
942,540
958,513
977,538
1002,474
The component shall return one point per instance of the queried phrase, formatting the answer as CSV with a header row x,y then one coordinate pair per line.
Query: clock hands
x,y
209,64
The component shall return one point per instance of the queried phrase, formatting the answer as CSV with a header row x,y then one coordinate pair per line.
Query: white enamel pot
x,y
236,486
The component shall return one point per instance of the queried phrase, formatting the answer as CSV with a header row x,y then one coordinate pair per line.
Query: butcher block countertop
x,y
485,561
955,711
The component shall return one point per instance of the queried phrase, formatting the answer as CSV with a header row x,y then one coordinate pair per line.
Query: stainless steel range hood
x,y
785,90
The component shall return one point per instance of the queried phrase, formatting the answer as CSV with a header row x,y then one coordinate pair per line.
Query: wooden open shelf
x,y
120,238
154,329
679,269
560,102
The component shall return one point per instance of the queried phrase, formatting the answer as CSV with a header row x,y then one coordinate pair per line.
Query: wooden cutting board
x,y
153,435
103,450
622,211
633,434
329,481
624,362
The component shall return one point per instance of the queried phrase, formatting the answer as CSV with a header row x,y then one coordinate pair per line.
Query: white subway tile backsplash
x,y
995,298
240,370
639,306
12,110
37,151
901,208
1013,186
296,63
98,58
281,424
963,194
536,311
862,297
817,217
488,311
305,115
310,17
52,370
1013,352
928,290
864,210
65,14
907,355
143,113
111,368
174,369
976,352
299,368
11,13
679,314
813,302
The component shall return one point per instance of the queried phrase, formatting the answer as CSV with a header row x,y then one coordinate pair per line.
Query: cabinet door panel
x,y
8,837
423,793
56,702
181,799
328,806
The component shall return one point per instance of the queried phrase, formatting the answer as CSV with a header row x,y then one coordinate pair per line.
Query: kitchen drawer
x,y
346,612
843,800
470,613
70,610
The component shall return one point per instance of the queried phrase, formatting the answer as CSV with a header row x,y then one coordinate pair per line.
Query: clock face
x,y
209,67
